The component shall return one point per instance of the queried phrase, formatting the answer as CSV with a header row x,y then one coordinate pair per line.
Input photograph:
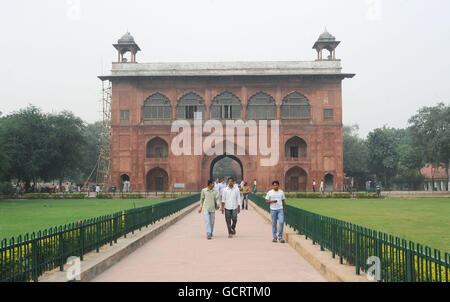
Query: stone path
x,y
182,253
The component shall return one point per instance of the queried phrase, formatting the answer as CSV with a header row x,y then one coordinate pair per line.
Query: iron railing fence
x,y
27,257
400,259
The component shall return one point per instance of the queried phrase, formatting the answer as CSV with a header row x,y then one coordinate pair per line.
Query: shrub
x,y
313,195
55,196
341,195
7,189
366,195
301,195
131,195
36,196
102,195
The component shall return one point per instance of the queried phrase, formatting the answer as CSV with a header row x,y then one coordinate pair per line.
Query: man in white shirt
x,y
222,185
217,185
231,206
276,199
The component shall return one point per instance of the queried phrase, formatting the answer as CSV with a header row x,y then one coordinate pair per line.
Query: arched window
x,y
189,104
226,106
261,106
157,106
295,106
295,148
157,148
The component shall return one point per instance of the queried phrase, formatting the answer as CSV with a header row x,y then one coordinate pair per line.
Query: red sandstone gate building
x,y
305,96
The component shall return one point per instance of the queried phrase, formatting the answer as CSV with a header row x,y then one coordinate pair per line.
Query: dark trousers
x,y
229,216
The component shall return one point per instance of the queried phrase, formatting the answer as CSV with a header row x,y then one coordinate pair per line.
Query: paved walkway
x,y
182,253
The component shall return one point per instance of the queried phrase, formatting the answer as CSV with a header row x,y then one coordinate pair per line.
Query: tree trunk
x,y
27,185
447,166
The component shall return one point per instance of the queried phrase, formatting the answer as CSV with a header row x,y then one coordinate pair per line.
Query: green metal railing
x,y
27,257
400,260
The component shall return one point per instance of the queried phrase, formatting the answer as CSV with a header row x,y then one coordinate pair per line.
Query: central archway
x,y
225,166
157,180
296,180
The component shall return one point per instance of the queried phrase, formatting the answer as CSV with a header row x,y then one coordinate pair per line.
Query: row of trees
x,y
35,146
395,156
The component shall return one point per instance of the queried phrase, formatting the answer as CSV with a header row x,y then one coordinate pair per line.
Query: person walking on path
x,y
314,185
209,198
321,187
276,199
231,206
217,185
245,191
254,186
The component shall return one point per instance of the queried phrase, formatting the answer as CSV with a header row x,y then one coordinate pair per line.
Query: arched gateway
x,y
225,166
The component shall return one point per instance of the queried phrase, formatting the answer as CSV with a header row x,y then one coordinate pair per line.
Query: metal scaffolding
x,y
104,159
103,165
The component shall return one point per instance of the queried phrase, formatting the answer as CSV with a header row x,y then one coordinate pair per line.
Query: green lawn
x,y
21,216
423,220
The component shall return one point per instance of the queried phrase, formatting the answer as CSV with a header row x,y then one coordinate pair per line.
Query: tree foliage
x,y
38,146
356,155
383,155
430,129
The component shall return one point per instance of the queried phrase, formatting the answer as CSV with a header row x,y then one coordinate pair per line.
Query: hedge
x,y
102,195
55,196
366,195
131,195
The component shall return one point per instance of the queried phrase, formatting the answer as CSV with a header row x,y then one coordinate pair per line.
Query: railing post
x,y
98,235
322,232
34,265
125,223
409,264
61,250
111,230
356,250
82,240
340,243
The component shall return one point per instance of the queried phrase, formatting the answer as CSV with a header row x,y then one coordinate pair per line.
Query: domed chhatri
x,y
126,44
126,39
326,36
326,41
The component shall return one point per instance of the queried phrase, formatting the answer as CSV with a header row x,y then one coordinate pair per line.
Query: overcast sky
x,y
53,50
